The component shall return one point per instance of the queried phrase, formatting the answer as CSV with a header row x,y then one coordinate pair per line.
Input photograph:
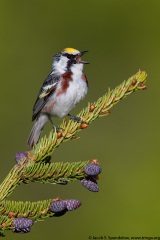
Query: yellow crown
x,y
71,50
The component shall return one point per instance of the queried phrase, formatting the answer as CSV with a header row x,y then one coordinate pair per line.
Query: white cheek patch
x,y
61,65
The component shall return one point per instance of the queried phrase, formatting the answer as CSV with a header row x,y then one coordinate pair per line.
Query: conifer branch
x,y
100,108
59,173
35,211
35,165
12,180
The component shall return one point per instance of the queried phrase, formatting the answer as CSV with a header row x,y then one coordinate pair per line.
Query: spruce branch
x,y
35,165
100,108
12,180
58,173
35,211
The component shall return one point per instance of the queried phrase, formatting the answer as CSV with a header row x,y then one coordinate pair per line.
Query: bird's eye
x,y
69,56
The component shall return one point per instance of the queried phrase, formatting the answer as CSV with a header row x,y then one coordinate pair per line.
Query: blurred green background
x,y
122,36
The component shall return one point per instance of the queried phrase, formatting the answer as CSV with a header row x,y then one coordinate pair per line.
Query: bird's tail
x,y
36,130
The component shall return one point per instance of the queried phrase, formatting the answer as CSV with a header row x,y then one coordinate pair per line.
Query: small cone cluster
x,y
22,225
64,205
92,171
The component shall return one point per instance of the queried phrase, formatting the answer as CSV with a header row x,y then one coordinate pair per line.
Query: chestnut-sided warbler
x,y
64,87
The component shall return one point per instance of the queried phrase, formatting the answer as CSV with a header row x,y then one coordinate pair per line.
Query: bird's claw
x,y
75,118
58,129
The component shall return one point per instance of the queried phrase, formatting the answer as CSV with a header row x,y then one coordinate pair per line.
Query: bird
x,y
63,88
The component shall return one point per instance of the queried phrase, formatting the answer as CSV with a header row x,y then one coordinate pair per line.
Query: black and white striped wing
x,y
46,90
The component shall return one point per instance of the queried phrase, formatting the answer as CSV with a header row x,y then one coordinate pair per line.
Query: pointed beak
x,y
81,54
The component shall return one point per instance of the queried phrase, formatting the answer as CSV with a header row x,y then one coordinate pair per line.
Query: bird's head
x,y
67,60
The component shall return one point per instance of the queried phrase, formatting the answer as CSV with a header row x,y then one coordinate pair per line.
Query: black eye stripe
x,y
69,56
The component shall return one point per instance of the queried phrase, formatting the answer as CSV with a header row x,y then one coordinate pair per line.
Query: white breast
x,y
75,92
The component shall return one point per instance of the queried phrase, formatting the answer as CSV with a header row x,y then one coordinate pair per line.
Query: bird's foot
x,y
50,119
75,118
58,128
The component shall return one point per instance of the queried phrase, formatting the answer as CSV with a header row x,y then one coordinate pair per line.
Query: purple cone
x,y
90,184
22,225
72,204
58,206
19,156
21,230
92,169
